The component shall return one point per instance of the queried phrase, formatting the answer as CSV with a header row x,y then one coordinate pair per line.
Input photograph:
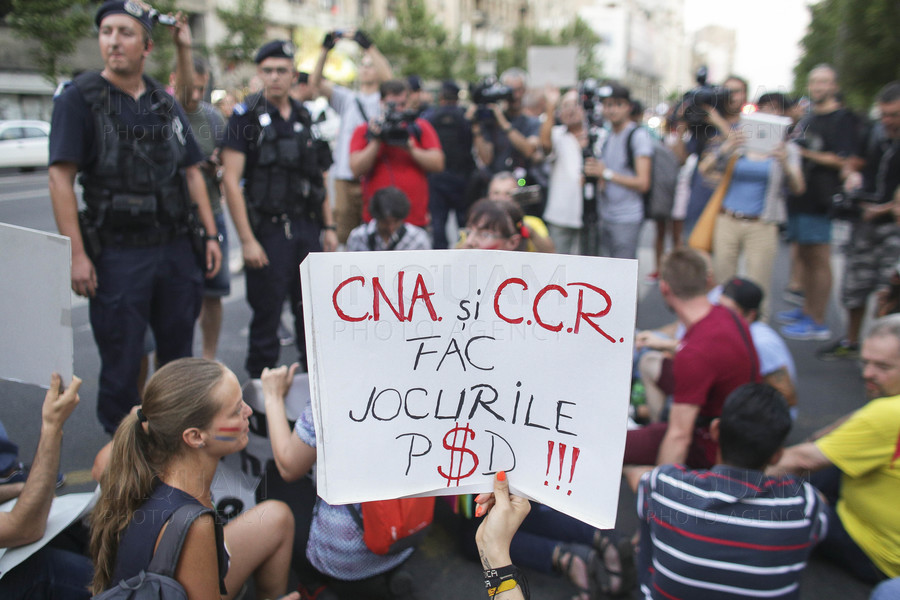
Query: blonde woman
x,y
163,456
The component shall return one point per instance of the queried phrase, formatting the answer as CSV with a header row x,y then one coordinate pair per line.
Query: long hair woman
x,y
164,455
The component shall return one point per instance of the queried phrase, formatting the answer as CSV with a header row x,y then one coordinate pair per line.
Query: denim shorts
x,y
809,229
220,285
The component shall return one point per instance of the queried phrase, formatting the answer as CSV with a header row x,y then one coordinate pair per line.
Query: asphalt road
x,y
825,390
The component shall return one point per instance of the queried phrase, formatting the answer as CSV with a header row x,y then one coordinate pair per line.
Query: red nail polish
x,y
501,476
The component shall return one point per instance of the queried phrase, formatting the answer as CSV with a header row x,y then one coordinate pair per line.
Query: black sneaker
x,y
840,350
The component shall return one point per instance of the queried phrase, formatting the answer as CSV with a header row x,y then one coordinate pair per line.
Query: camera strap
x,y
362,111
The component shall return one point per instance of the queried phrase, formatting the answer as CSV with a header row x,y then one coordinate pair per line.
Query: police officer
x,y
282,210
132,252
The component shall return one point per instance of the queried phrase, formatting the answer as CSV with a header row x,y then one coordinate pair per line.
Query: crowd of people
x,y
725,510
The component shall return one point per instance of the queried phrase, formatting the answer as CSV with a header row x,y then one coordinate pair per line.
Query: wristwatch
x,y
215,238
608,174
329,227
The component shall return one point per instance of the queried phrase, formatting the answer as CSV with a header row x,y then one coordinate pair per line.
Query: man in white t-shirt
x,y
564,144
354,108
624,168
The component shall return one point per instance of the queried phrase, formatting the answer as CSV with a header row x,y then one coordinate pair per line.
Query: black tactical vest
x,y
136,181
287,175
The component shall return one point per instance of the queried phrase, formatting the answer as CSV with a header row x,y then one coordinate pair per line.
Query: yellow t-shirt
x,y
867,451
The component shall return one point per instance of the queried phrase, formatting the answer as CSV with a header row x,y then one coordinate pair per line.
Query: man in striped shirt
x,y
730,531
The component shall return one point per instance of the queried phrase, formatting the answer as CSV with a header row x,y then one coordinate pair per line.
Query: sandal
x,y
611,544
565,561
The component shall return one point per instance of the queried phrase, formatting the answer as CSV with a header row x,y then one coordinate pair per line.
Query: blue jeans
x,y
160,286
268,287
49,574
888,590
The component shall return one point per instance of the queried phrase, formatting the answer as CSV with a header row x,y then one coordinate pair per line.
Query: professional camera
x,y
397,125
589,90
490,91
695,101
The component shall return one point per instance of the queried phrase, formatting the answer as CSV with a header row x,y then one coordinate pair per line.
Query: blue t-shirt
x,y
747,191
773,352
72,127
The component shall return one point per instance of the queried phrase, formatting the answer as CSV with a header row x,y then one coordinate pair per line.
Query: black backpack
x,y
158,581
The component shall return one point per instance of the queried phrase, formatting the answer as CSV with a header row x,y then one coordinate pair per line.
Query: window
x,y
34,132
11,133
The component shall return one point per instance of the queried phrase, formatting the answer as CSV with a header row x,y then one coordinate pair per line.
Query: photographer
x,y
508,140
355,108
397,150
709,112
873,178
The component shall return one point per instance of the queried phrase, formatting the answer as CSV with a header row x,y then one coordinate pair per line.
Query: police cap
x,y
275,49
135,10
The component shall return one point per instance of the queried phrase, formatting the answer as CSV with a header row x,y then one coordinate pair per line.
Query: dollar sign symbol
x,y
461,449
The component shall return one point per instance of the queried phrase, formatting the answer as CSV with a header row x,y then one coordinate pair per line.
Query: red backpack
x,y
392,526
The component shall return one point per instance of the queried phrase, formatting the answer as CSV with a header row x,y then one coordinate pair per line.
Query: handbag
x,y
702,235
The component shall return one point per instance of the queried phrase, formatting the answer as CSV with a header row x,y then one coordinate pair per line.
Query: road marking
x,y
79,477
26,195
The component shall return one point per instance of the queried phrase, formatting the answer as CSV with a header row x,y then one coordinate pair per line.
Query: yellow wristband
x,y
503,587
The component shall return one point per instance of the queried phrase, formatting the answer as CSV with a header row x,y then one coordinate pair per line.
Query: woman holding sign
x,y
753,205
163,456
548,540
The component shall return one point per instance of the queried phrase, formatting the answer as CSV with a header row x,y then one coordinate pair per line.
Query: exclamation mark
x,y
550,444
575,453
562,459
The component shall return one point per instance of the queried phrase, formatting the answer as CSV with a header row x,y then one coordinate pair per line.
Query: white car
x,y
24,144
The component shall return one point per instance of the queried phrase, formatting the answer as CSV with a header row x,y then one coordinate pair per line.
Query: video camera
x,y
397,126
488,91
693,102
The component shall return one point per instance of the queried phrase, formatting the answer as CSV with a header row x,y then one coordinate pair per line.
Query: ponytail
x,y
178,397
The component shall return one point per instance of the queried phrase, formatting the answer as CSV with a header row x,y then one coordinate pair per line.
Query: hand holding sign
x,y
432,371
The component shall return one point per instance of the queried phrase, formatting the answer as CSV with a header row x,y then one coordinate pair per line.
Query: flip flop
x,y
627,572
592,562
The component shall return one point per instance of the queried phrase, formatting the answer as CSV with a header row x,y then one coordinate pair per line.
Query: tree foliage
x,y
417,43
246,26
578,34
163,55
859,39
56,25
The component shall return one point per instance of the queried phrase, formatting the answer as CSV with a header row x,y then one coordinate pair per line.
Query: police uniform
x,y
283,192
131,155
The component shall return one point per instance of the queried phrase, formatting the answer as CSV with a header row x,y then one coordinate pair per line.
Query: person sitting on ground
x,y
50,572
856,464
503,186
776,365
715,356
164,455
389,207
490,228
336,549
503,514
731,531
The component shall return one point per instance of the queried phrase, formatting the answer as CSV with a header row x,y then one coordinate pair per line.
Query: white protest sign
x,y
552,65
430,371
35,306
